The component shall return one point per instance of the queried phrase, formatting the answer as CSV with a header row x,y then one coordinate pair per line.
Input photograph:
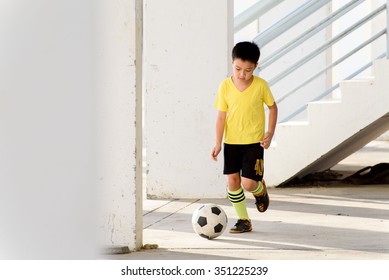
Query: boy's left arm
x,y
273,112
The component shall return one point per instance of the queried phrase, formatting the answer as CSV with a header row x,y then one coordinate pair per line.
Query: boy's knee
x,y
249,184
234,182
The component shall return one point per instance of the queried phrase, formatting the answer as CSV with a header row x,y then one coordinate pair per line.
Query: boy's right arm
x,y
220,122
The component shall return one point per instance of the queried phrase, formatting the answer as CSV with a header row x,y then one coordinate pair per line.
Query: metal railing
x,y
253,13
295,17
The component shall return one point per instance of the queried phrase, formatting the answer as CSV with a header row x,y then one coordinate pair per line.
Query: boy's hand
x,y
265,143
215,151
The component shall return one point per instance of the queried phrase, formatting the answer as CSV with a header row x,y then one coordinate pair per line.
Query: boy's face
x,y
243,69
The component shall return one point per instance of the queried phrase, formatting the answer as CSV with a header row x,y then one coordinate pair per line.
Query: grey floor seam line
x,y
167,216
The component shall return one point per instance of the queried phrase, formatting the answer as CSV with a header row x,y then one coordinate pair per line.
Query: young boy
x,y
241,118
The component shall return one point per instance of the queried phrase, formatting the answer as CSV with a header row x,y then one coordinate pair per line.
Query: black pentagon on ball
x,y
202,221
205,236
216,210
218,228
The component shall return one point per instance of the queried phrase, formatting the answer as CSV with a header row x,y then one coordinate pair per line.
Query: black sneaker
x,y
262,201
242,225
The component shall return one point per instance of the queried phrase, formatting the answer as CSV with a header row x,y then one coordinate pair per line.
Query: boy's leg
x,y
252,176
255,187
259,191
236,196
232,166
250,185
262,198
238,200
234,181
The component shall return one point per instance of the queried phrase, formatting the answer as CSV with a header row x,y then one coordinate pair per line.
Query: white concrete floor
x,y
333,222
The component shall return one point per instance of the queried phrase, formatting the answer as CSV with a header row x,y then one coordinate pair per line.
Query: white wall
x,y
186,55
119,61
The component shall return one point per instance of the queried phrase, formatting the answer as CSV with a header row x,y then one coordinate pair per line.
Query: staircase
x,y
321,131
334,129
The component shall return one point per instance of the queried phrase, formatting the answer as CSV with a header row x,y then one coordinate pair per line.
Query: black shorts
x,y
245,159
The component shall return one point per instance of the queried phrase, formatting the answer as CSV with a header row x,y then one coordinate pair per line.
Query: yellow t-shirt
x,y
245,121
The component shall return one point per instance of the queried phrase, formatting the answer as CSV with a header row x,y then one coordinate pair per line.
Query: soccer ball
x,y
209,221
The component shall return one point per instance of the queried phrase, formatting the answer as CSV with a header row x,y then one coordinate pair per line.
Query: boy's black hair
x,y
247,51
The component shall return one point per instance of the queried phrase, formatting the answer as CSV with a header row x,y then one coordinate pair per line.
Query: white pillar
x,y
119,56
186,55
53,77
47,189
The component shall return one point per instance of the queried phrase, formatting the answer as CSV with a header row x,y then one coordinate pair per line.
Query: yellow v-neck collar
x,y
246,89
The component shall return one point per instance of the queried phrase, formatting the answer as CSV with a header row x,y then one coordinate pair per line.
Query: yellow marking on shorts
x,y
258,167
